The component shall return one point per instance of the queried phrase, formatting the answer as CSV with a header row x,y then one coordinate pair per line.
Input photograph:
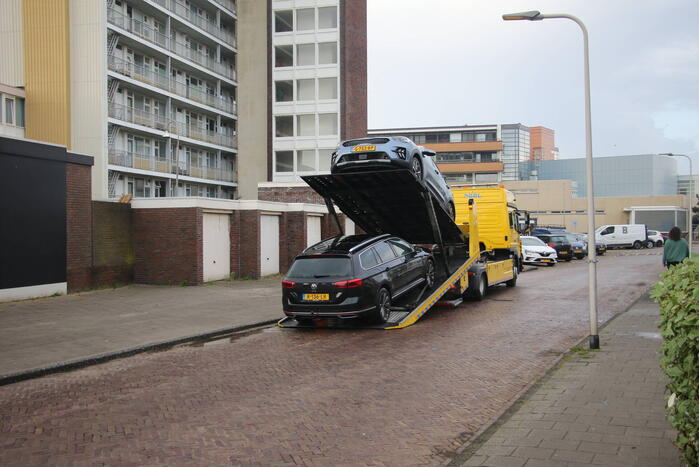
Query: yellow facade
x,y
46,36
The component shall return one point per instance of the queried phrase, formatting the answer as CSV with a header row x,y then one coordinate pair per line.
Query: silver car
x,y
393,152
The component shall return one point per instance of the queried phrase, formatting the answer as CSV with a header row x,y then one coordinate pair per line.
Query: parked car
x,y
354,276
394,152
600,246
534,251
656,237
579,246
622,235
559,242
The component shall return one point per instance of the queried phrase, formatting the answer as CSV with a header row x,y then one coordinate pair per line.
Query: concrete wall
x,y
353,68
254,105
11,37
552,203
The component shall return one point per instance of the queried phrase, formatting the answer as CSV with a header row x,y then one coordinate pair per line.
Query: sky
x,y
456,62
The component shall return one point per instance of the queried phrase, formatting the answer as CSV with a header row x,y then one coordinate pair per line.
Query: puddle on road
x,y
645,335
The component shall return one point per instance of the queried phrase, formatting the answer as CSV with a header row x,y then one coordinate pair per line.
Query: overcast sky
x,y
455,62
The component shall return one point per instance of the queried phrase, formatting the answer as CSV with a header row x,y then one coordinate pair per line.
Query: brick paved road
x,y
285,397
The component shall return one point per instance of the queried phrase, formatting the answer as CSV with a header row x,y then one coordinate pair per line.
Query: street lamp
x,y
690,194
592,243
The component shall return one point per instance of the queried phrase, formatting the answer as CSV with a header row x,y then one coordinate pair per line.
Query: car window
x,y
368,259
401,247
558,239
532,242
608,230
385,252
327,266
652,232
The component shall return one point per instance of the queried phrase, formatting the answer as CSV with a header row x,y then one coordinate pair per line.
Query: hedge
x,y
678,296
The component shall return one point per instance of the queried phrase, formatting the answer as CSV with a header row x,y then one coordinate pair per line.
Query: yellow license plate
x,y
545,260
564,252
578,251
316,297
364,148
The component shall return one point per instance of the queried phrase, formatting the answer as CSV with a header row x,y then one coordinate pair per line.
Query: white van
x,y
623,235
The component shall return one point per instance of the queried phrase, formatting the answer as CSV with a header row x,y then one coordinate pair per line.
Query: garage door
x,y
269,245
217,246
312,230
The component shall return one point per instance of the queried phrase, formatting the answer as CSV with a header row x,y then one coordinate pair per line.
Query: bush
x,y
678,296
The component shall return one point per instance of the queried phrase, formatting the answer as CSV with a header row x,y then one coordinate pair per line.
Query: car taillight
x,y
551,245
348,284
288,284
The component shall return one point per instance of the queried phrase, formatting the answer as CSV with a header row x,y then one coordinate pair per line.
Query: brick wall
x,y
353,62
295,194
248,231
168,246
78,226
112,243
294,233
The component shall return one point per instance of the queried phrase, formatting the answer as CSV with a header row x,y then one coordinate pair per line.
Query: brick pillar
x,y
295,238
78,226
249,244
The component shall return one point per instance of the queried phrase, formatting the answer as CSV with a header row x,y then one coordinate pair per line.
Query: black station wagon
x,y
354,276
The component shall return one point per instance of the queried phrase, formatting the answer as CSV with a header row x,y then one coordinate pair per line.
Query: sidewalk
x,y
39,335
604,407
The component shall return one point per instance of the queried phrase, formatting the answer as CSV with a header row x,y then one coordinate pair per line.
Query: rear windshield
x,y
315,268
558,239
354,142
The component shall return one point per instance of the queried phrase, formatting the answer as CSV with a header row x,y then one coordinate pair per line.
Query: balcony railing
x,y
229,4
223,137
163,81
139,117
150,34
183,11
166,165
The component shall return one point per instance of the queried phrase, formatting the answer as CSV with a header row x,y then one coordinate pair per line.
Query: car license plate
x,y
316,297
578,251
564,252
545,260
364,148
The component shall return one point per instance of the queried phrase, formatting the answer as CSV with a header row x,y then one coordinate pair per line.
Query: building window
x,y
324,156
306,160
327,124
327,53
305,19
486,177
454,137
283,21
284,125
327,17
284,91
306,89
284,161
283,56
305,54
327,88
9,111
306,125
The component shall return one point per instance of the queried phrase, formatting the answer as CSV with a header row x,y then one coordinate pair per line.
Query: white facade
x,y
305,88
11,112
171,96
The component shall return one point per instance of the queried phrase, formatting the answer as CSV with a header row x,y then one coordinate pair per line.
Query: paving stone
x,y
533,453
502,461
497,450
603,448
572,456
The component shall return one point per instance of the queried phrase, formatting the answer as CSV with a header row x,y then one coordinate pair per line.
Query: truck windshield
x,y
324,266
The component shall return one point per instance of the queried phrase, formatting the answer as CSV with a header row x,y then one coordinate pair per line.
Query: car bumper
x,y
307,310
534,259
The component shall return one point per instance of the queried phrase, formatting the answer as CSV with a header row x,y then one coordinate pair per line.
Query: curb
x,y
468,449
105,357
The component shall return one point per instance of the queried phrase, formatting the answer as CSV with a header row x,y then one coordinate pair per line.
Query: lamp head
x,y
525,15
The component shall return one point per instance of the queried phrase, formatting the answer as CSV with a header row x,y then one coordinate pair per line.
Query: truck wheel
x,y
637,245
513,282
480,286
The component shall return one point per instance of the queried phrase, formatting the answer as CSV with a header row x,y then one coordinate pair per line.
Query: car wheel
x,y
650,244
416,167
515,271
569,259
659,243
637,245
429,273
383,306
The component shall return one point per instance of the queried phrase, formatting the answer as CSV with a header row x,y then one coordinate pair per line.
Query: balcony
x,y
138,28
202,59
202,22
169,166
223,137
163,81
139,117
228,4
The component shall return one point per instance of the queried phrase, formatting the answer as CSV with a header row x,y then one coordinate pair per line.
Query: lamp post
x,y
690,195
592,243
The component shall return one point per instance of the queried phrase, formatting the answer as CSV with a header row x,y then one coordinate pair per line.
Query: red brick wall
x,y
112,243
295,194
353,63
168,246
78,226
293,235
248,232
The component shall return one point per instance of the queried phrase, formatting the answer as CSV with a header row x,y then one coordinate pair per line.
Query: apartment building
x,y
472,153
543,145
11,111
158,91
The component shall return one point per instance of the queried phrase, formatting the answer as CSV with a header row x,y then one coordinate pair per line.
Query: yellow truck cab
x,y
499,221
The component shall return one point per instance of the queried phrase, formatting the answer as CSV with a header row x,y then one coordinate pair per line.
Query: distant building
x,y
473,153
640,175
684,183
543,145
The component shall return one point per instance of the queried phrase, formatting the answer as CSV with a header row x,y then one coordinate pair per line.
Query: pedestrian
x,y
676,248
